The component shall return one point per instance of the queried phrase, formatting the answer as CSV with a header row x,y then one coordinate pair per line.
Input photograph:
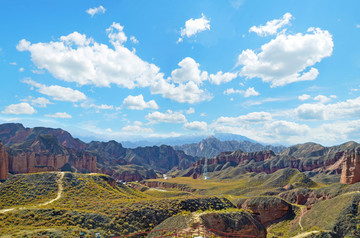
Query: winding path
x,y
59,182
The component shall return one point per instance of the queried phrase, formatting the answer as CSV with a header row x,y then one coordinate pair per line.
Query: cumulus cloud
x,y
318,111
253,117
20,108
191,110
77,58
287,58
58,93
59,115
273,26
194,26
246,93
37,102
221,77
168,117
98,107
196,126
322,99
184,83
188,71
134,40
138,103
136,129
96,10
304,97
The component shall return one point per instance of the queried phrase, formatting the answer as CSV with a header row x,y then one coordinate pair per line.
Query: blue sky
x,y
275,71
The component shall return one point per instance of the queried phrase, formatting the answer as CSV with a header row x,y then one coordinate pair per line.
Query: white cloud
x,y
116,34
59,115
188,71
221,77
246,93
136,129
318,111
168,117
13,63
253,117
20,108
37,102
194,26
99,107
304,97
287,58
196,126
96,10
273,26
21,69
58,93
322,99
189,92
76,58
358,26
134,40
138,103
191,110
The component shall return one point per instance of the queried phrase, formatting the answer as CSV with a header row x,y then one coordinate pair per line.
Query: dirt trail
x,y
305,234
59,182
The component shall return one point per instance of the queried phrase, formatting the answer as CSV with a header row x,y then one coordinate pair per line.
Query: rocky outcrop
x,y
4,162
212,224
269,209
45,153
351,167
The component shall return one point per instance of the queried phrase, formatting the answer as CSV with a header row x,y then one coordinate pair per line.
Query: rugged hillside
x,y
212,146
65,204
45,153
4,162
13,133
304,157
45,149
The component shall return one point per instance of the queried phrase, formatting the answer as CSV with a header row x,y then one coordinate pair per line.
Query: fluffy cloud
x,y
20,108
134,40
221,77
77,58
273,26
196,126
168,117
322,98
246,93
194,26
287,58
318,111
58,93
304,97
191,110
188,71
98,107
253,117
59,115
96,10
37,102
138,103
136,129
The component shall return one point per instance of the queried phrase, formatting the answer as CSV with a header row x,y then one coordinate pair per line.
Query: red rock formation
x,y
238,157
351,167
269,209
4,163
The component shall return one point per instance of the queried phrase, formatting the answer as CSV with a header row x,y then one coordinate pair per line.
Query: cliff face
x,y
44,154
4,162
351,167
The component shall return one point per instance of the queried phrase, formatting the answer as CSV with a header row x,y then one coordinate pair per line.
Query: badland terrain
x,y
54,185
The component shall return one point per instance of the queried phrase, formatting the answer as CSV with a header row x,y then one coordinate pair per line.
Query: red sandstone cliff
x,y
351,167
4,162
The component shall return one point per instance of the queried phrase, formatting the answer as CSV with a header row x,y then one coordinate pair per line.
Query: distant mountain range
x,y
182,140
212,146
